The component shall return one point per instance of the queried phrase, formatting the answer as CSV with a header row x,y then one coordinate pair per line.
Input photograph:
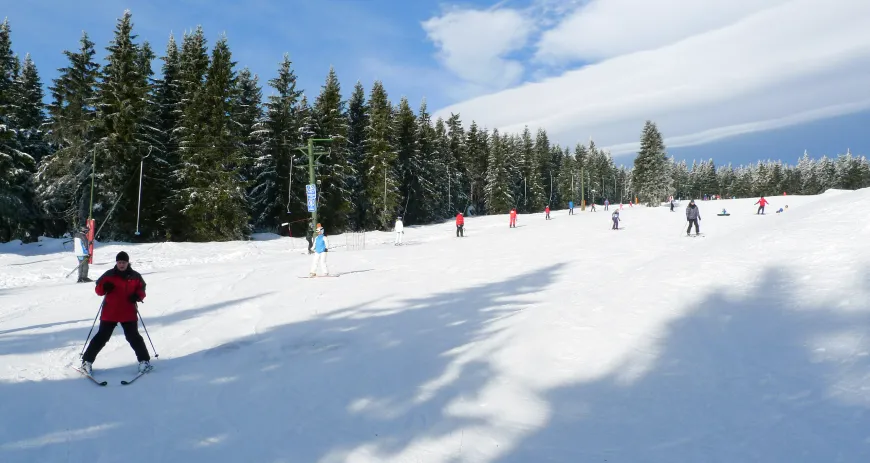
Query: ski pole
x,y
82,353
146,332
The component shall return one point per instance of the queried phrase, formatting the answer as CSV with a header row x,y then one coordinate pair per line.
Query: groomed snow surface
x,y
557,341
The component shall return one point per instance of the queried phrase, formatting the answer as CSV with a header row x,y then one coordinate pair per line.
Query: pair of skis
x,y
104,383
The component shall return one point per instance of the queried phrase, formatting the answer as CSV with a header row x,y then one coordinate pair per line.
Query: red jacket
x,y
547,209
513,215
762,202
117,306
459,219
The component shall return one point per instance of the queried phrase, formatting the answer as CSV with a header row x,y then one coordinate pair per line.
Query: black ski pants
x,y
760,210
460,230
131,332
692,222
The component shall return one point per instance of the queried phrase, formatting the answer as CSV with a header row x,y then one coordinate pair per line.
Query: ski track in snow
x,y
557,341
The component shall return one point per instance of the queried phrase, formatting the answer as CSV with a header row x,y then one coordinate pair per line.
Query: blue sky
x,y
717,78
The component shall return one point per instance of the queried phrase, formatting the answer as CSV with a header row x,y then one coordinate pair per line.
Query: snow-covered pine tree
x,y
543,156
334,171
423,185
213,201
458,162
476,157
64,176
442,159
17,209
726,179
498,197
30,111
124,131
357,121
852,172
554,196
826,173
533,198
247,117
379,163
650,177
165,156
271,197
404,133
682,185
193,65
566,180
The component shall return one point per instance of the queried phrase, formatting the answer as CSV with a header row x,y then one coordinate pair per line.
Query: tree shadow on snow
x,y
750,380
736,379
369,374
19,344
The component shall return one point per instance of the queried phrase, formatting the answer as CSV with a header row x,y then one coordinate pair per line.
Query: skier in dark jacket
x,y
122,288
693,215
309,236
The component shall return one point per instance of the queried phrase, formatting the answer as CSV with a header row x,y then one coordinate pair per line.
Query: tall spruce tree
x,y
423,185
381,182
30,111
64,177
330,120
125,135
405,132
442,159
476,158
533,192
357,121
651,178
498,198
165,157
271,196
247,116
17,208
213,199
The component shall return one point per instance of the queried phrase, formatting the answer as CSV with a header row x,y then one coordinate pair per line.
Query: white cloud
x,y
803,57
474,44
607,28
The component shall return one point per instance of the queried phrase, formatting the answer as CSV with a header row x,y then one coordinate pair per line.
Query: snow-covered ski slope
x,y
558,341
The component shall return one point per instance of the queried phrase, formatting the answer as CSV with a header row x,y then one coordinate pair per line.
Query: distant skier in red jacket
x,y
122,288
761,202
513,218
547,211
460,225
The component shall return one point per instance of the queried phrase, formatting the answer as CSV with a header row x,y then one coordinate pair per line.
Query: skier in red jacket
x,y
122,287
761,202
547,211
460,225
513,218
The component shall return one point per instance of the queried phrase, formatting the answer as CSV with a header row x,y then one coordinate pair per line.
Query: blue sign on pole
x,y
311,193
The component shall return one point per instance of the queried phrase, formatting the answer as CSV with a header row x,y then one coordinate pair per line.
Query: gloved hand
x,y
134,298
326,250
108,287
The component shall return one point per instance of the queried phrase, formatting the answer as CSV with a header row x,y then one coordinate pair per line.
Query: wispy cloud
x,y
474,44
700,69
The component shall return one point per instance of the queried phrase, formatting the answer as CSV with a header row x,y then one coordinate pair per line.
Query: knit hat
x,y
122,257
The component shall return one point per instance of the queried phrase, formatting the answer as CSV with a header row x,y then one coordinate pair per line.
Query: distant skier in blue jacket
x,y
570,207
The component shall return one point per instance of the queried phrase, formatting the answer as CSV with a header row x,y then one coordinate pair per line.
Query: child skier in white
x,y
400,231
321,247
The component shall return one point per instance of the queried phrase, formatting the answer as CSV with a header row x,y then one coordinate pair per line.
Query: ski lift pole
x,y
141,172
